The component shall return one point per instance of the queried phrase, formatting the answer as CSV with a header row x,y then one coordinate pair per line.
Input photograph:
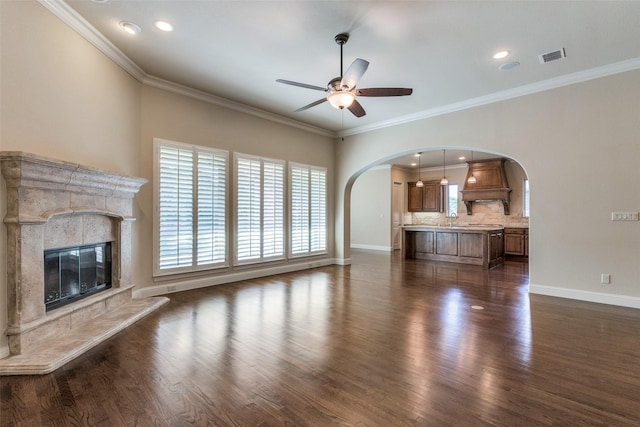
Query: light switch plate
x,y
624,216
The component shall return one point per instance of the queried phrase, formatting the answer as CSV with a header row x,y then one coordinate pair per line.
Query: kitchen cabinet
x,y
496,247
516,241
476,245
428,198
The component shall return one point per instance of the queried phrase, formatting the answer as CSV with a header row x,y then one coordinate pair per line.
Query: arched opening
x,y
380,205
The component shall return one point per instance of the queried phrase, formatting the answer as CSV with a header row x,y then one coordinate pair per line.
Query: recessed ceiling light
x,y
501,54
414,164
509,66
99,1
163,26
477,307
130,27
461,158
417,155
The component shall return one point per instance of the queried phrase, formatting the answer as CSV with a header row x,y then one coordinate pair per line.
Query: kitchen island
x,y
472,244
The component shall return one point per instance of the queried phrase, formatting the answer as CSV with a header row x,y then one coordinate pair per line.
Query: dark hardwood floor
x,y
383,342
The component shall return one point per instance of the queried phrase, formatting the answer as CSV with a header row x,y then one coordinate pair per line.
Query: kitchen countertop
x,y
470,227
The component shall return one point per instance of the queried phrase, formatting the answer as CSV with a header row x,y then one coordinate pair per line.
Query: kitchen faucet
x,y
451,217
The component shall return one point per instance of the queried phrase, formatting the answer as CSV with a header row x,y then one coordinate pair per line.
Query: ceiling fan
x,y
342,92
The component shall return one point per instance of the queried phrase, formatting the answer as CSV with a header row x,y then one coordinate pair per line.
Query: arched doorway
x,y
374,211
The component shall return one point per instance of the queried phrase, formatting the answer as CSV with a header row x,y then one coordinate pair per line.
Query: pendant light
x,y
444,180
419,183
472,179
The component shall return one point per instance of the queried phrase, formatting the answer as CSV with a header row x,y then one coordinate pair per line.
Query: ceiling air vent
x,y
552,56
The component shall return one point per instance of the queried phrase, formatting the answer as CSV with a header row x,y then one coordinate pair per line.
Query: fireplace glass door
x,y
73,273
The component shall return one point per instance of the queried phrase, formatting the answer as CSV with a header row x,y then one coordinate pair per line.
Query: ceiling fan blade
x,y
356,109
304,85
354,73
384,91
313,104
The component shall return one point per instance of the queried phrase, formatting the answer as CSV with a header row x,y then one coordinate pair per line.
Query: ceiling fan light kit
x,y
341,99
341,91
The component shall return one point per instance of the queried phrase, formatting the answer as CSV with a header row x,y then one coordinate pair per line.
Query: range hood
x,y
491,184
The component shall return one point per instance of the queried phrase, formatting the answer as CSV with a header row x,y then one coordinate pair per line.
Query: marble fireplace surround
x,y
55,204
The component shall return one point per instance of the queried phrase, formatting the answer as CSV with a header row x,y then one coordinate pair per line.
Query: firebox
x,y
76,272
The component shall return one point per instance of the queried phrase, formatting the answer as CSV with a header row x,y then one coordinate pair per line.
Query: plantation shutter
x,y
318,196
249,212
260,209
308,210
176,207
299,210
211,212
273,210
191,212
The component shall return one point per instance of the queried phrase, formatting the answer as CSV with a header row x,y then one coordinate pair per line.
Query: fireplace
x,y
71,274
69,260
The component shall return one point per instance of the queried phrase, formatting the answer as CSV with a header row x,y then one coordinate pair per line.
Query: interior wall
x,y
61,98
578,146
371,210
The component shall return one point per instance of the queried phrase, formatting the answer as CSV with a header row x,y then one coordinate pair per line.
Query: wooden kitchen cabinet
x,y
427,198
496,247
516,241
464,245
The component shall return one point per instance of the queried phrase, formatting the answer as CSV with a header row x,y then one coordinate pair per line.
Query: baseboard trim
x,y
203,282
589,296
371,247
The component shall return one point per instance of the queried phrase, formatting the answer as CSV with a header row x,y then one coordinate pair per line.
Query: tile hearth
x,y
55,352
54,204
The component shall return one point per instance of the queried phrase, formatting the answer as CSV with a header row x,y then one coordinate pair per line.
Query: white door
x,y
397,212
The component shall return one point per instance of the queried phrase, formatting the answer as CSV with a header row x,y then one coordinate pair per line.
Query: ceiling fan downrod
x,y
341,39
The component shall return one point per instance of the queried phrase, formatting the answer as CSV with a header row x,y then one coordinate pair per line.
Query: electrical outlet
x,y
624,216
605,278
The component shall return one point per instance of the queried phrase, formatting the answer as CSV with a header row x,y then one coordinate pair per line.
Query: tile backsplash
x,y
483,213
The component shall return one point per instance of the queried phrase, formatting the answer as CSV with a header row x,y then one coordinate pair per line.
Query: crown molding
x,y
554,83
70,17
232,105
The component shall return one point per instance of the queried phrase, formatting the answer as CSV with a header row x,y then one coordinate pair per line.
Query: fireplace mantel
x,y
52,204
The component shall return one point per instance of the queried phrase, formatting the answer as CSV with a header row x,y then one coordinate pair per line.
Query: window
x,y
451,202
260,209
525,199
308,209
190,196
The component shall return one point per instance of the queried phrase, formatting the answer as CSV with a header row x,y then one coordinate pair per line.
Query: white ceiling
x,y
442,49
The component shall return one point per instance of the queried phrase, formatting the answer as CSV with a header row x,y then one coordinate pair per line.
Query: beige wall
x,y
371,210
63,98
579,147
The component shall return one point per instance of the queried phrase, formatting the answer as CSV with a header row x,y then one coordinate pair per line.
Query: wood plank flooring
x,y
383,342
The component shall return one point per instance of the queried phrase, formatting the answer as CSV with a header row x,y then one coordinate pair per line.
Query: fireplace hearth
x,y
69,267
